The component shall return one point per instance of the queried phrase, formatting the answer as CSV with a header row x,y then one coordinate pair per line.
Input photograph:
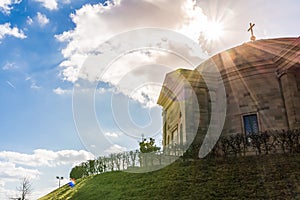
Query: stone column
x,y
291,97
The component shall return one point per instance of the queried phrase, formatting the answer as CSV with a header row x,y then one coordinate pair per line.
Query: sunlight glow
x,y
213,30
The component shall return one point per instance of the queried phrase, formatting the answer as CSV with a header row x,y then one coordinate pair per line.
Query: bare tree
x,y
24,188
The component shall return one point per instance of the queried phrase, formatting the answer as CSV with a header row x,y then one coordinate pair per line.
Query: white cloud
x,y
112,134
115,149
140,75
147,95
52,4
103,90
10,172
61,91
7,193
97,23
39,19
2,183
33,84
110,89
42,19
94,24
10,66
5,29
49,4
43,157
35,166
29,20
6,5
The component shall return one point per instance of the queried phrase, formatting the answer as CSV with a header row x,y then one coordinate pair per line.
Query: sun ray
x,y
213,30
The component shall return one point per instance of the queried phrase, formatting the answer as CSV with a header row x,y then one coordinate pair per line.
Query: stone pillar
x,y
291,97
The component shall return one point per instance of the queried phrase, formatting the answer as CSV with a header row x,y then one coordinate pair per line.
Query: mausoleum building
x,y
262,86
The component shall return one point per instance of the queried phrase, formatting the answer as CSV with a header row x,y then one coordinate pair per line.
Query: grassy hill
x,y
256,177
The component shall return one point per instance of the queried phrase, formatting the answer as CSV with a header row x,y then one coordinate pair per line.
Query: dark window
x,y
250,124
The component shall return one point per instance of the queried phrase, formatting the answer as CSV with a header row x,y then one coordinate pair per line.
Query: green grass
x,y
256,177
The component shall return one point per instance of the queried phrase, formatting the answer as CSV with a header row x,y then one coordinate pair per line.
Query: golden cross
x,y
251,30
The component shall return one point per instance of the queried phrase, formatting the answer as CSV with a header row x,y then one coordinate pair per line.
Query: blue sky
x,y
43,44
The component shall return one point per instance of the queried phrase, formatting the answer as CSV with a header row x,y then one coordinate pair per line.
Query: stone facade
x,y
182,91
262,85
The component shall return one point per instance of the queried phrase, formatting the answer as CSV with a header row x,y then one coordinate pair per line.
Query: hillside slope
x,y
255,177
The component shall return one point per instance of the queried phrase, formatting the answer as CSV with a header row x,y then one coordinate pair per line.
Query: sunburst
x,y
213,30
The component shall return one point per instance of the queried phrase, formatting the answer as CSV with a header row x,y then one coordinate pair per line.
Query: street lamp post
x,y
59,178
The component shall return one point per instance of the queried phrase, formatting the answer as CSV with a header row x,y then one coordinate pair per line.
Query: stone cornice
x,y
288,58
